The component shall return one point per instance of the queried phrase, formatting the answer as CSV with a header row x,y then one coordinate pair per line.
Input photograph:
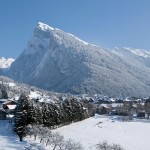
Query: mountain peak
x,y
5,63
59,61
44,26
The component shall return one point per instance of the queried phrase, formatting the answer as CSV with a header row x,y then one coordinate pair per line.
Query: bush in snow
x,y
56,141
106,146
71,145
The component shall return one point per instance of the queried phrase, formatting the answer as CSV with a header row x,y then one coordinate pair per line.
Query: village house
x,y
102,109
9,106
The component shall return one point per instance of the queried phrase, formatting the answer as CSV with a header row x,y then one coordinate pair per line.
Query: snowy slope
x,y
6,63
8,138
130,135
139,52
59,61
138,56
15,89
10,141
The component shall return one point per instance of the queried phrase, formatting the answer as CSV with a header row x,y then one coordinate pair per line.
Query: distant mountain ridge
x,y
59,61
6,63
132,54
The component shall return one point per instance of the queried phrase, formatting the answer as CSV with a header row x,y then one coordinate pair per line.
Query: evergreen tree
x,y
38,114
67,115
48,114
31,117
77,110
147,107
44,114
20,118
3,92
73,110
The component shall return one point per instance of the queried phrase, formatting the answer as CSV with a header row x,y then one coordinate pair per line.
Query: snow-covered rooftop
x,y
34,95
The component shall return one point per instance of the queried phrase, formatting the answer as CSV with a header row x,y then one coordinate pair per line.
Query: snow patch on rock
x,y
6,63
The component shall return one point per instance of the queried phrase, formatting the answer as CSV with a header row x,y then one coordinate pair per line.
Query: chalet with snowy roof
x,y
9,105
102,109
10,102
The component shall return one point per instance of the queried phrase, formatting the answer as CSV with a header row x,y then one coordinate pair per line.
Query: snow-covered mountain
x,y
59,61
132,54
6,63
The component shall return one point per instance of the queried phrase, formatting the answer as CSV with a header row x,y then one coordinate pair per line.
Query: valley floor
x,y
130,135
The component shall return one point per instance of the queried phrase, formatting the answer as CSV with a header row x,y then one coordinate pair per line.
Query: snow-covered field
x,y
10,141
130,135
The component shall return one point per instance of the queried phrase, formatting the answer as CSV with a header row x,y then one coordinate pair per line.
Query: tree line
x,y
49,115
57,141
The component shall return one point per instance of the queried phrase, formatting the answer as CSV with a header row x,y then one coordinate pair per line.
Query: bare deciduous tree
x,y
106,146
56,140
71,145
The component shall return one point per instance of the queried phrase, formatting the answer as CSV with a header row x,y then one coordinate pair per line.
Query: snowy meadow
x,y
130,135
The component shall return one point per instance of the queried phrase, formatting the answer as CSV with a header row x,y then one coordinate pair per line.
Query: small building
x,y
141,114
102,109
10,102
2,114
9,105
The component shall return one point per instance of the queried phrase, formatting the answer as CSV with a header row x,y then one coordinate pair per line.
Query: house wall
x,y
2,115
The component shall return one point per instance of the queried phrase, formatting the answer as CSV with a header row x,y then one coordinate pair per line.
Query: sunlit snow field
x,y
130,135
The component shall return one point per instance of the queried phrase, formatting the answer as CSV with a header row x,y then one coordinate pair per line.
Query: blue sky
x,y
107,23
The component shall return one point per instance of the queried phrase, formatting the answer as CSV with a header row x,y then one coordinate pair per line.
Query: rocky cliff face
x,y
59,61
